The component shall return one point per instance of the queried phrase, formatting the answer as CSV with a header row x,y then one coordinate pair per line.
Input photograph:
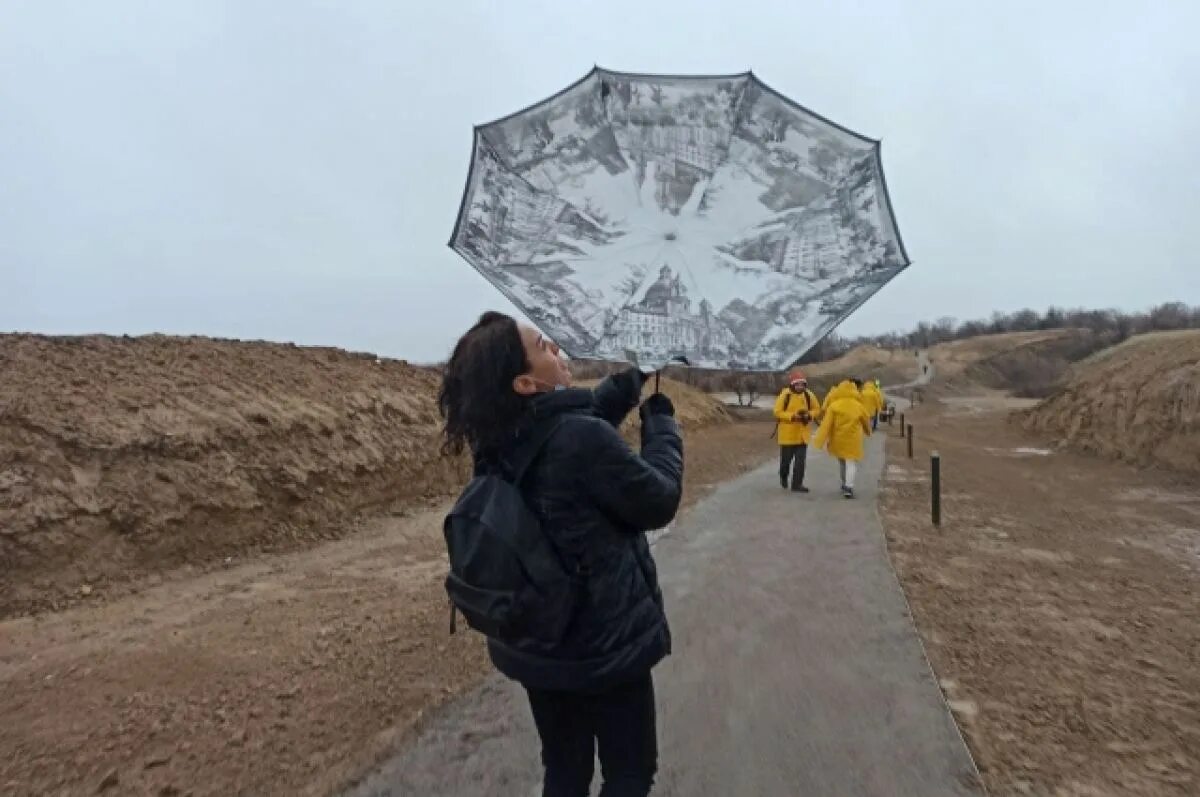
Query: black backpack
x,y
506,577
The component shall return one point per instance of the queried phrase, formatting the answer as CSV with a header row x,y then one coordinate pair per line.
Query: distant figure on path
x,y
795,410
506,397
844,426
872,398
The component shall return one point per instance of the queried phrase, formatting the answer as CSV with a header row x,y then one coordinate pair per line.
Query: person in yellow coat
x,y
843,388
796,409
844,426
872,398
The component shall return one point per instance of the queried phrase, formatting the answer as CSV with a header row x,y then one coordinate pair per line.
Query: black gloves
x,y
629,382
658,404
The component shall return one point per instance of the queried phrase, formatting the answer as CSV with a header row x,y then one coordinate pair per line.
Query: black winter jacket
x,y
596,498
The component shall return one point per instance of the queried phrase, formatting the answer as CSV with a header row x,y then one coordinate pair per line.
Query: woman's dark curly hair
x,y
477,401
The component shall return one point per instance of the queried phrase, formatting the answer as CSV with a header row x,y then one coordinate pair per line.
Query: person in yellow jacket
x,y
796,409
872,398
844,426
839,390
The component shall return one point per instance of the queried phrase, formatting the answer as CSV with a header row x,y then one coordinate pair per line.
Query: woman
x,y
595,499
844,427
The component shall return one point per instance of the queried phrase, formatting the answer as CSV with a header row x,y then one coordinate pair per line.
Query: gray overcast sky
x,y
291,171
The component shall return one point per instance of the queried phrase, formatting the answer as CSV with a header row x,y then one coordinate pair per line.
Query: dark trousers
x,y
620,721
788,455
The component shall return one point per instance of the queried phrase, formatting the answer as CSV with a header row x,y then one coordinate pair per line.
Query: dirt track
x,y
288,674
1058,604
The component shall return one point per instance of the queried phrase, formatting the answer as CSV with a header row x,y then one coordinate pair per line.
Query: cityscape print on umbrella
x,y
708,217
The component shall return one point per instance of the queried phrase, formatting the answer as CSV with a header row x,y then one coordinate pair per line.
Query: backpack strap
x,y
528,451
526,456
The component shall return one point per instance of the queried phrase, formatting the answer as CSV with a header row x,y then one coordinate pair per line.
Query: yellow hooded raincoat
x,y
872,399
792,430
845,423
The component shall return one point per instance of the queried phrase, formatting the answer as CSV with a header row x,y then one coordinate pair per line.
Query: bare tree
x,y
747,387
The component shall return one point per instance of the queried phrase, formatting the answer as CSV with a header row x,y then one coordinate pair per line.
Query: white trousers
x,y
849,469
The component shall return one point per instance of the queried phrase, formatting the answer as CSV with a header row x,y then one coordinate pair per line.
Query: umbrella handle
x,y
657,375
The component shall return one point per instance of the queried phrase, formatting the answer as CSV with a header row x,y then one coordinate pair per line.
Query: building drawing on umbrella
x,y
663,321
698,147
522,222
813,252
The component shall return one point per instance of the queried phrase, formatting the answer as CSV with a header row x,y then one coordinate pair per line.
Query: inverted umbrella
x,y
658,216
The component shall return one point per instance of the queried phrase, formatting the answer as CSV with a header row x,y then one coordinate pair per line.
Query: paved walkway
x,y
797,670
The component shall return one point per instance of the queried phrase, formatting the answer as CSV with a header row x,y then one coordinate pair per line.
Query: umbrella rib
x,y
620,251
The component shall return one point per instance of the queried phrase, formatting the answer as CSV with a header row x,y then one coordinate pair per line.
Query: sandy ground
x,y
289,674
1057,602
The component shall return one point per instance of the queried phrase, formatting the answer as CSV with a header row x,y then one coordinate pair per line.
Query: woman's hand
x,y
658,404
630,382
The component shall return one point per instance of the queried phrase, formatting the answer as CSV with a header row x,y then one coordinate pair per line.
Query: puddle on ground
x,y
900,475
1177,543
1042,555
1157,496
1023,451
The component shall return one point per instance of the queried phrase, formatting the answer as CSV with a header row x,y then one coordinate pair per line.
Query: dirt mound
x,y
129,455
892,366
126,456
694,409
1033,366
958,357
1024,362
1139,401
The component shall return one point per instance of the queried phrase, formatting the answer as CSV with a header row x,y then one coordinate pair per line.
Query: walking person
x,y
795,410
507,398
873,401
844,426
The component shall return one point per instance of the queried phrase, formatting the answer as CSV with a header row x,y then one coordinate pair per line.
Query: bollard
x,y
935,467
910,436
902,426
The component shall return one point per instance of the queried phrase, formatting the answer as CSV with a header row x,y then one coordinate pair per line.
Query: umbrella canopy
x,y
709,217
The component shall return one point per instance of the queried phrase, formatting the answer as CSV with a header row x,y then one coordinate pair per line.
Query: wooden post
x,y
935,463
910,441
